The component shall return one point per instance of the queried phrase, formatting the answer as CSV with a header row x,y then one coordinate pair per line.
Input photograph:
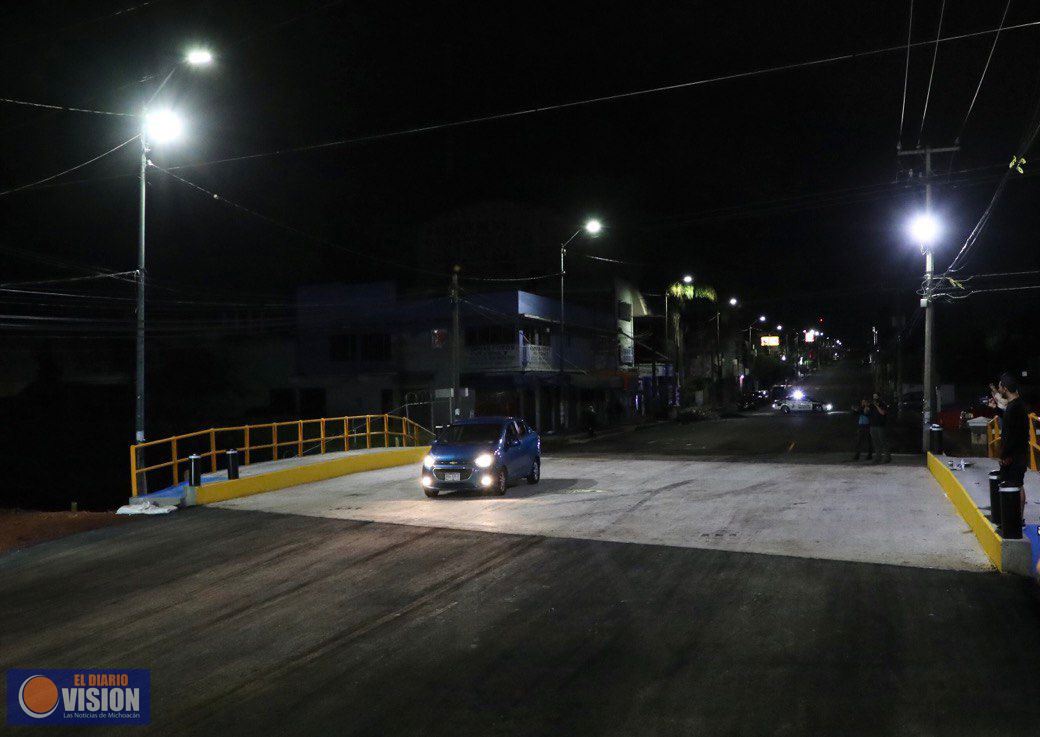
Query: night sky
x,y
782,188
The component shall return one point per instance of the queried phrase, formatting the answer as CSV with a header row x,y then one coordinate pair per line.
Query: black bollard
x,y
232,464
194,470
935,439
994,497
1010,512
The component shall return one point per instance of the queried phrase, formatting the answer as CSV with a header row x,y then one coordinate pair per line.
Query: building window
x,y
343,347
376,347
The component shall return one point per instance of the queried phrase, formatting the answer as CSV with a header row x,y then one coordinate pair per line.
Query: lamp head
x,y
593,227
925,229
163,126
199,57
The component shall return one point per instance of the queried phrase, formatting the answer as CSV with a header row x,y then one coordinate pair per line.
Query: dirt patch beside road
x,y
20,529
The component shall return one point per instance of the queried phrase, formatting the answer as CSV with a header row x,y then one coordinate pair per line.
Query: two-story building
x,y
365,348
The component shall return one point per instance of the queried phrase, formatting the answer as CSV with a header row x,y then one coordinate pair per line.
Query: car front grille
x,y
464,473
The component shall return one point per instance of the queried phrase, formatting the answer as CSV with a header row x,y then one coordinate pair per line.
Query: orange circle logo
x,y
38,696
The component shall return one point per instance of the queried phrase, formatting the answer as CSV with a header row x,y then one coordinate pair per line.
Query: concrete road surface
x,y
268,624
883,514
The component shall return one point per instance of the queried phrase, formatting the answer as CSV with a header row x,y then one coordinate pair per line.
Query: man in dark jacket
x,y
878,412
1014,436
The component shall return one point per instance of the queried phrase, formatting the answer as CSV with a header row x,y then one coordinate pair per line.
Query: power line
x,y
605,98
66,108
112,275
291,228
931,75
51,32
985,68
67,171
906,74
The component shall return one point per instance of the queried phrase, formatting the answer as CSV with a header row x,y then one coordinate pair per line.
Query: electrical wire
x,y
66,108
72,169
982,77
601,99
906,75
112,275
291,228
53,31
931,75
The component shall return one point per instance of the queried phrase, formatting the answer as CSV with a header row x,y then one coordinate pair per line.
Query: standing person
x,y
878,411
997,402
862,413
1014,436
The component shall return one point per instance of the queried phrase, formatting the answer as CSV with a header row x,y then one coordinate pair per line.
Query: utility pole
x,y
563,332
455,342
926,300
718,355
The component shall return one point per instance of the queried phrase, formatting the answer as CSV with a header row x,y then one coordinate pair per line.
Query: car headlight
x,y
428,461
484,460
829,407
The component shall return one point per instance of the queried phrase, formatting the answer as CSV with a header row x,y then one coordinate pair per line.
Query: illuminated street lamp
x,y
158,126
199,57
733,302
592,228
924,229
162,126
688,279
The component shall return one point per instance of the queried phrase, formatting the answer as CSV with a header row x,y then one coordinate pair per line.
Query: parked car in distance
x,y
482,454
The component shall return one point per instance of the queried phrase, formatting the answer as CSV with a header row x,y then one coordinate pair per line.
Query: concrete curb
x,y
223,490
1008,556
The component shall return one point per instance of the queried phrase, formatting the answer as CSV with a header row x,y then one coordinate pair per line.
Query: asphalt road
x,y
259,623
766,434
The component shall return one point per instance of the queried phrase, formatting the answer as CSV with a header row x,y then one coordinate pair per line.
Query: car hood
x,y
460,451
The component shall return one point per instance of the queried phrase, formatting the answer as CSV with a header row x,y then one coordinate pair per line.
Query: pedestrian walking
x,y
1014,437
862,414
878,412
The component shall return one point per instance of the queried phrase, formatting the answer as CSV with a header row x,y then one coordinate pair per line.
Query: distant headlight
x,y
484,460
828,407
428,461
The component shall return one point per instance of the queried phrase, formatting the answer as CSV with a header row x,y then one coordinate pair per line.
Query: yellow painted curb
x,y
965,506
286,477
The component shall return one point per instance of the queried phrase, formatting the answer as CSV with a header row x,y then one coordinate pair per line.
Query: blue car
x,y
484,453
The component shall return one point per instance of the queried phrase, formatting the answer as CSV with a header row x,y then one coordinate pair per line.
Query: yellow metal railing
x,y
993,440
266,442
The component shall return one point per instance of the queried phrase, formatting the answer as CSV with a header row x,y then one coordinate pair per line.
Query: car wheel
x,y
536,471
431,492
499,487
785,409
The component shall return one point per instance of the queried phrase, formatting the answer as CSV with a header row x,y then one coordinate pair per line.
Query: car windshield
x,y
476,433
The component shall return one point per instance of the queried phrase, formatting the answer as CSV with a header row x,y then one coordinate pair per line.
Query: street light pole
x,y
592,227
196,57
139,373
